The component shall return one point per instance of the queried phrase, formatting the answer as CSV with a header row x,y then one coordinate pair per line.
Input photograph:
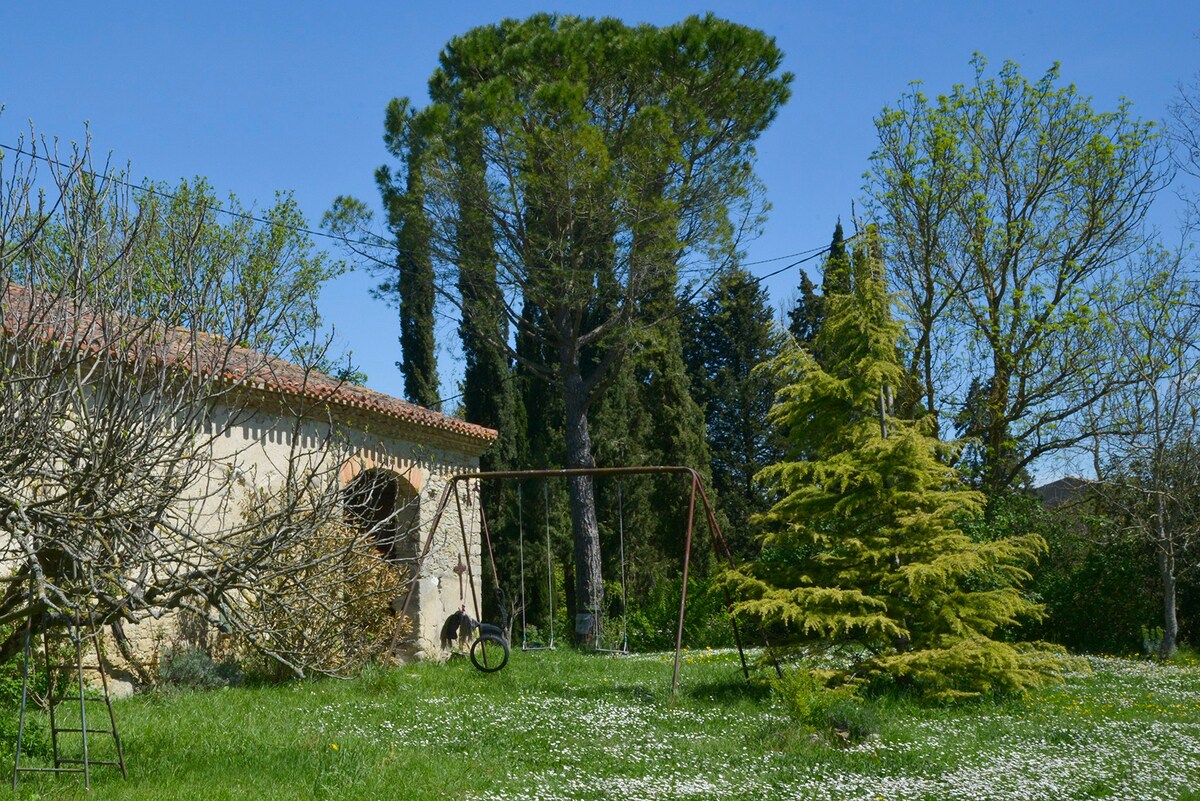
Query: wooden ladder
x,y
63,651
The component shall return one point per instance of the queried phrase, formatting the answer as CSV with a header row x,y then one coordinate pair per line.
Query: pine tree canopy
x,y
864,545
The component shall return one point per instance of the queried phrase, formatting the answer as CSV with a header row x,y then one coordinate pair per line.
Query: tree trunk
x,y
589,587
1166,570
998,450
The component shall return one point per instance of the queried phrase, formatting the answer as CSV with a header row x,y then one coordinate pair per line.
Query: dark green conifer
x,y
805,318
837,265
406,138
488,392
731,333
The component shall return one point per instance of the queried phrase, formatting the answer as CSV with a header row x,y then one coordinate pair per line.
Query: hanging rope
x,y
621,646
521,551
624,593
549,572
525,644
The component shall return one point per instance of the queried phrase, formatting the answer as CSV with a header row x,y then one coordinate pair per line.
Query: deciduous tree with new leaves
x,y
1007,207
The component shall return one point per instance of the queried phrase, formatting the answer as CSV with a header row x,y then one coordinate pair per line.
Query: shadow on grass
x,y
727,690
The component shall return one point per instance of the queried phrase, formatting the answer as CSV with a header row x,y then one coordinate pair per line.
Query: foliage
x,y
871,511
1005,205
807,317
611,153
324,602
731,333
1094,582
194,669
838,711
411,280
654,616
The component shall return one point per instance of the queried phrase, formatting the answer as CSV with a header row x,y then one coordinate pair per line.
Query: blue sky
x,y
259,97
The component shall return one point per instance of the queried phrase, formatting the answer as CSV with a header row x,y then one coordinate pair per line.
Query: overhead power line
x,y
808,255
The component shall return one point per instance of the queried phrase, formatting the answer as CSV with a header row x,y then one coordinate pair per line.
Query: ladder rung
x,y
81,731
69,680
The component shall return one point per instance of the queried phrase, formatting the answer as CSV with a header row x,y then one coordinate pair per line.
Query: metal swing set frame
x,y
720,546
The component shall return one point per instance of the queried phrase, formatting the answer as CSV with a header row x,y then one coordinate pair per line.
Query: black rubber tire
x,y
489,653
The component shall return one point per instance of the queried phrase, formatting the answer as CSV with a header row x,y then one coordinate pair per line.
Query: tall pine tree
x,y
864,544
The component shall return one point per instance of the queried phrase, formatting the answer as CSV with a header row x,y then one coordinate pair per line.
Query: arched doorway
x,y
385,507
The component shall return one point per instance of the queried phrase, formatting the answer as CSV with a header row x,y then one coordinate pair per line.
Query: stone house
x,y
390,457
396,458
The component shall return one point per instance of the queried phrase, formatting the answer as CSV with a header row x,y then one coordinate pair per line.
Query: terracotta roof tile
x,y
260,371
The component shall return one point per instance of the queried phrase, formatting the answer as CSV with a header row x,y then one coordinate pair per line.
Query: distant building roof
x,y
1064,490
256,370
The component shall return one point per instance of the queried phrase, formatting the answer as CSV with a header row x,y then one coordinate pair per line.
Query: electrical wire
x,y
808,255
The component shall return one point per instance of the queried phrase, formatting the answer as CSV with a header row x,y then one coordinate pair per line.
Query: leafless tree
x,y
122,497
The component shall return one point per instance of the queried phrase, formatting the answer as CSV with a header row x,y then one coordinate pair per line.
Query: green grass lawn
x,y
564,725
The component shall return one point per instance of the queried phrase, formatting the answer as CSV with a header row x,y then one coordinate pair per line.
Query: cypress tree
x,y
488,394
864,544
673,419
406,137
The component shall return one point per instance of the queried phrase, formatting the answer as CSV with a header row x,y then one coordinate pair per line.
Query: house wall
x,y
251,449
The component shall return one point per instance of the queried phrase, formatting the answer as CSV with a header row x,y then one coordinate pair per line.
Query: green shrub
x,y
654,616
839,712
1186,656
195,669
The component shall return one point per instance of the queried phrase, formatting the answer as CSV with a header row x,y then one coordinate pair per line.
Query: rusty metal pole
x,y
717,535
714,530
719,545
687,558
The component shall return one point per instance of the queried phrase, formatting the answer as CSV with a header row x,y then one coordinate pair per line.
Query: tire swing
x,y
490,650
